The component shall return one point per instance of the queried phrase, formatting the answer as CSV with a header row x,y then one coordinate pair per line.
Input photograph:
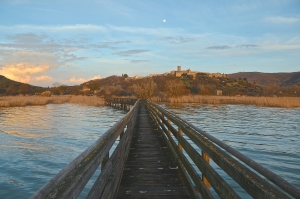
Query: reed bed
x,y
283,102
12,101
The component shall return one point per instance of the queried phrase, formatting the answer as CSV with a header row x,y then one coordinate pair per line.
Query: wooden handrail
x,y
70,181
209,147
130,101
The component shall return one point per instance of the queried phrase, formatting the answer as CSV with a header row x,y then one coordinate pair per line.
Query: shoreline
x,y
19,101
281,102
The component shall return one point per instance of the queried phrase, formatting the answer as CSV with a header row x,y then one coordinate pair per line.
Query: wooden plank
x,y
150,171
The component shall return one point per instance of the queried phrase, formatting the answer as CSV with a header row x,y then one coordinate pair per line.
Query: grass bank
x,y
11,101
283,102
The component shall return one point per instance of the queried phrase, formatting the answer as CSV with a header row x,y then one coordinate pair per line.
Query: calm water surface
x,y
270,136
37,142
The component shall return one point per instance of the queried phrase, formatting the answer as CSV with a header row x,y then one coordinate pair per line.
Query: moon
x,y
164,20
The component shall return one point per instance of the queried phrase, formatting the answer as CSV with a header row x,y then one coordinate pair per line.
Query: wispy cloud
x,y
247,46
177,40
26,38
282,20
148,31
131,52
110,45
271,47
218,47
57,28
138,61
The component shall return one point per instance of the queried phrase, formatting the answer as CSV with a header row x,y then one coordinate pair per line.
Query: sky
x,y
71,41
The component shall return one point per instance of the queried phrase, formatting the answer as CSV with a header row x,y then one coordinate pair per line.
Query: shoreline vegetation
x,y
282,102
34,100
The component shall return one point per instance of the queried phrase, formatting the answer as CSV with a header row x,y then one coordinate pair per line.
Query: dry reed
x,y
284,102
11,101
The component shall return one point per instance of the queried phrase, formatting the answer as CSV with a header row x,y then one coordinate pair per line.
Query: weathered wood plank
x,y
150,171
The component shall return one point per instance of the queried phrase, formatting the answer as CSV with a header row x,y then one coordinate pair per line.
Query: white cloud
x,y
281,47
148,31
43,78
96,77
34,54
58,28
77,80
26,72
82,80
283,20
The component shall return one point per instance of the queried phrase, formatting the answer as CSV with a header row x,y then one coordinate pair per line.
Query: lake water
x,y
36,142
270,136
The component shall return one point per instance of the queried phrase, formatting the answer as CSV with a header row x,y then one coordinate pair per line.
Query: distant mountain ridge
x,y
265,79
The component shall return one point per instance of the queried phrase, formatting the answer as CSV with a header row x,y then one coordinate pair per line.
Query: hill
x,y
266,79
169,85
11,87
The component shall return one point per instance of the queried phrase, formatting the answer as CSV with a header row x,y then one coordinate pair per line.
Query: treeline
x,y
157,86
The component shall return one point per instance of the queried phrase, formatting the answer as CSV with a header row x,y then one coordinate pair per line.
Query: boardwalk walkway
x,y
164,158
149,170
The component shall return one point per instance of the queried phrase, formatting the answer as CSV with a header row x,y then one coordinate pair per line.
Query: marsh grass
x,y
284,102
11,101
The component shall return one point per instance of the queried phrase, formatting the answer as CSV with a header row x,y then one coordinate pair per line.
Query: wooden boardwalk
x,y
169,162
149,170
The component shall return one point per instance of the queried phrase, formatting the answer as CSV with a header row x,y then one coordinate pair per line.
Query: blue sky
x,y
72,41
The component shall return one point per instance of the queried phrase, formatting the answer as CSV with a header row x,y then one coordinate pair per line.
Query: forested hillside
x,y
164,86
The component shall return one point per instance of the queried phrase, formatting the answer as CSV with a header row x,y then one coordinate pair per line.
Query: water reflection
x,y
270,136
37,142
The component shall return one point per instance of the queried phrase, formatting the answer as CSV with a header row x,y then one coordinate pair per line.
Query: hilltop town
x,y
179,73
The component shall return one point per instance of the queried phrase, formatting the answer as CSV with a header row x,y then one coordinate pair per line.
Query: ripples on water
x,y
36,142
270,136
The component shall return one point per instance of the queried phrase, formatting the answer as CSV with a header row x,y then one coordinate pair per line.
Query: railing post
x,y
121,134
180,134
205,181
104,161
169,123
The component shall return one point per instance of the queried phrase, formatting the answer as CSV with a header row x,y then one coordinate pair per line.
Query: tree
x,y
25,89
11,90
145,88
56,84
175,88
94,86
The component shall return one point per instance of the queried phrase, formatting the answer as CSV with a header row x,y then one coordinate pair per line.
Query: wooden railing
x,y
72,179
191,146
121,103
